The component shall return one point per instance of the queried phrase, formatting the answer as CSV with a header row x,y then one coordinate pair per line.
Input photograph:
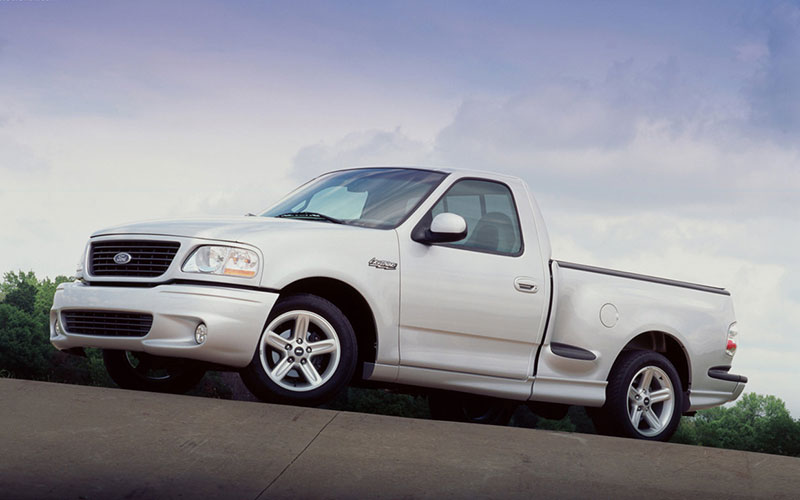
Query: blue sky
x,y
658,137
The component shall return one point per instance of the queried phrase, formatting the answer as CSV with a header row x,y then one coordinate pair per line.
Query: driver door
x,y
465,306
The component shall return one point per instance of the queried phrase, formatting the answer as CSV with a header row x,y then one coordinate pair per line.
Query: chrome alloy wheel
x,y
299,350
651,401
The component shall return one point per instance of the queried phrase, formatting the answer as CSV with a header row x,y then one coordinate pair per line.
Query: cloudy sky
x,y
661,138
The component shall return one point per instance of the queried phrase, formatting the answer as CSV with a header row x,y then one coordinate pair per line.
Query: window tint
x,y
488,207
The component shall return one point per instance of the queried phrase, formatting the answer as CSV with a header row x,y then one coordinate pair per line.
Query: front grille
x,y
148,259
111,323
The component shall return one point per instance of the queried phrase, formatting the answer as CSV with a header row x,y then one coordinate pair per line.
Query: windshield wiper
x,y
310,215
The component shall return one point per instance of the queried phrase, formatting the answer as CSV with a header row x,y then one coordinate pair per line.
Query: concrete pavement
x,y
64,441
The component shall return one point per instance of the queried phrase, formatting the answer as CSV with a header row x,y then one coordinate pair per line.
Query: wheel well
x,y
351,303
668,346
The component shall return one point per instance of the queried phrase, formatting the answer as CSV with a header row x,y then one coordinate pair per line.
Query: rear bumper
x,y
720,387
721,373
234,317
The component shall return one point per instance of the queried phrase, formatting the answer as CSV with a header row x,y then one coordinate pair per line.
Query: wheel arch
x,y
351,302
668,345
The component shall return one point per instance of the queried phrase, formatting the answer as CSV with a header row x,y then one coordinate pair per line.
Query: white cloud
x,y
17,157
371,147
624,160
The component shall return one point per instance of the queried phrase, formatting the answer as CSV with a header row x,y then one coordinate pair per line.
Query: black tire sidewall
x,y
263,387
125,376
616,407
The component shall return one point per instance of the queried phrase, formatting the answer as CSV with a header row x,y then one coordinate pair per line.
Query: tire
x,y
144,372
643,398
461,407
306,354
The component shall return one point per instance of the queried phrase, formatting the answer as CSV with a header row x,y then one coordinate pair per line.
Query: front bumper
x,y
234,317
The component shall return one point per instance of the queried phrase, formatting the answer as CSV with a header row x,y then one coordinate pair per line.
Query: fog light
x,y
200,333
57,328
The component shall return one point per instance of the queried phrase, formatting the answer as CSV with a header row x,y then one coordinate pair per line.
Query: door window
x,y
490,212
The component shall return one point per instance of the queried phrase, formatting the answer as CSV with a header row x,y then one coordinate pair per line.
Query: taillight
x,y
733,332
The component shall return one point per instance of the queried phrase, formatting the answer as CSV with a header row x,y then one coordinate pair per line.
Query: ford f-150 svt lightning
x,y
433,279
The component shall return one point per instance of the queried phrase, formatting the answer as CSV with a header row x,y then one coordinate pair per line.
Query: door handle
x,y
526,285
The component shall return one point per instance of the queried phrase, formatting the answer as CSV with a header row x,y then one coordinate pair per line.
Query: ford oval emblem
x,y
122,258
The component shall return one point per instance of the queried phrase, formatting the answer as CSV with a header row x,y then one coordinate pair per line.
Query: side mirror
x,y
445,228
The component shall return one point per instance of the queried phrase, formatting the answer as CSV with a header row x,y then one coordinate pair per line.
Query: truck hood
x,y
238,229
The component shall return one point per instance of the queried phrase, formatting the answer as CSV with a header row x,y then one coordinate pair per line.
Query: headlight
x,y
226,261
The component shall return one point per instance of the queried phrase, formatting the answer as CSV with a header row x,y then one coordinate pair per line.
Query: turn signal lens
x,y
241,263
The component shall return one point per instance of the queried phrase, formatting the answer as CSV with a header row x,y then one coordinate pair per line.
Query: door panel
x,y
461,309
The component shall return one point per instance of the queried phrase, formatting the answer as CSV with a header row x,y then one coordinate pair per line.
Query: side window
x,y
488,207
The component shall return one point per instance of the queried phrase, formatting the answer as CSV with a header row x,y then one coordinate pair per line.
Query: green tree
x,y
755,423
19,290
21,354
25,349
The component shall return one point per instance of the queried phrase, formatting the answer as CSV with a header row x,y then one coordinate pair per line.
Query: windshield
x,y
370,197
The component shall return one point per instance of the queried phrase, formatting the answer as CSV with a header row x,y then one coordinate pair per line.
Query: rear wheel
x,y
461,407
144,372
643,398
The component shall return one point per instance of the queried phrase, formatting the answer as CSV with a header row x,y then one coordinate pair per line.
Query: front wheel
x,y
461,407
306,355
643,398
144,372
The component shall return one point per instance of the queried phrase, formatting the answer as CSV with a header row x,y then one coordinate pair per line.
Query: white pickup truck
x,y
406,278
